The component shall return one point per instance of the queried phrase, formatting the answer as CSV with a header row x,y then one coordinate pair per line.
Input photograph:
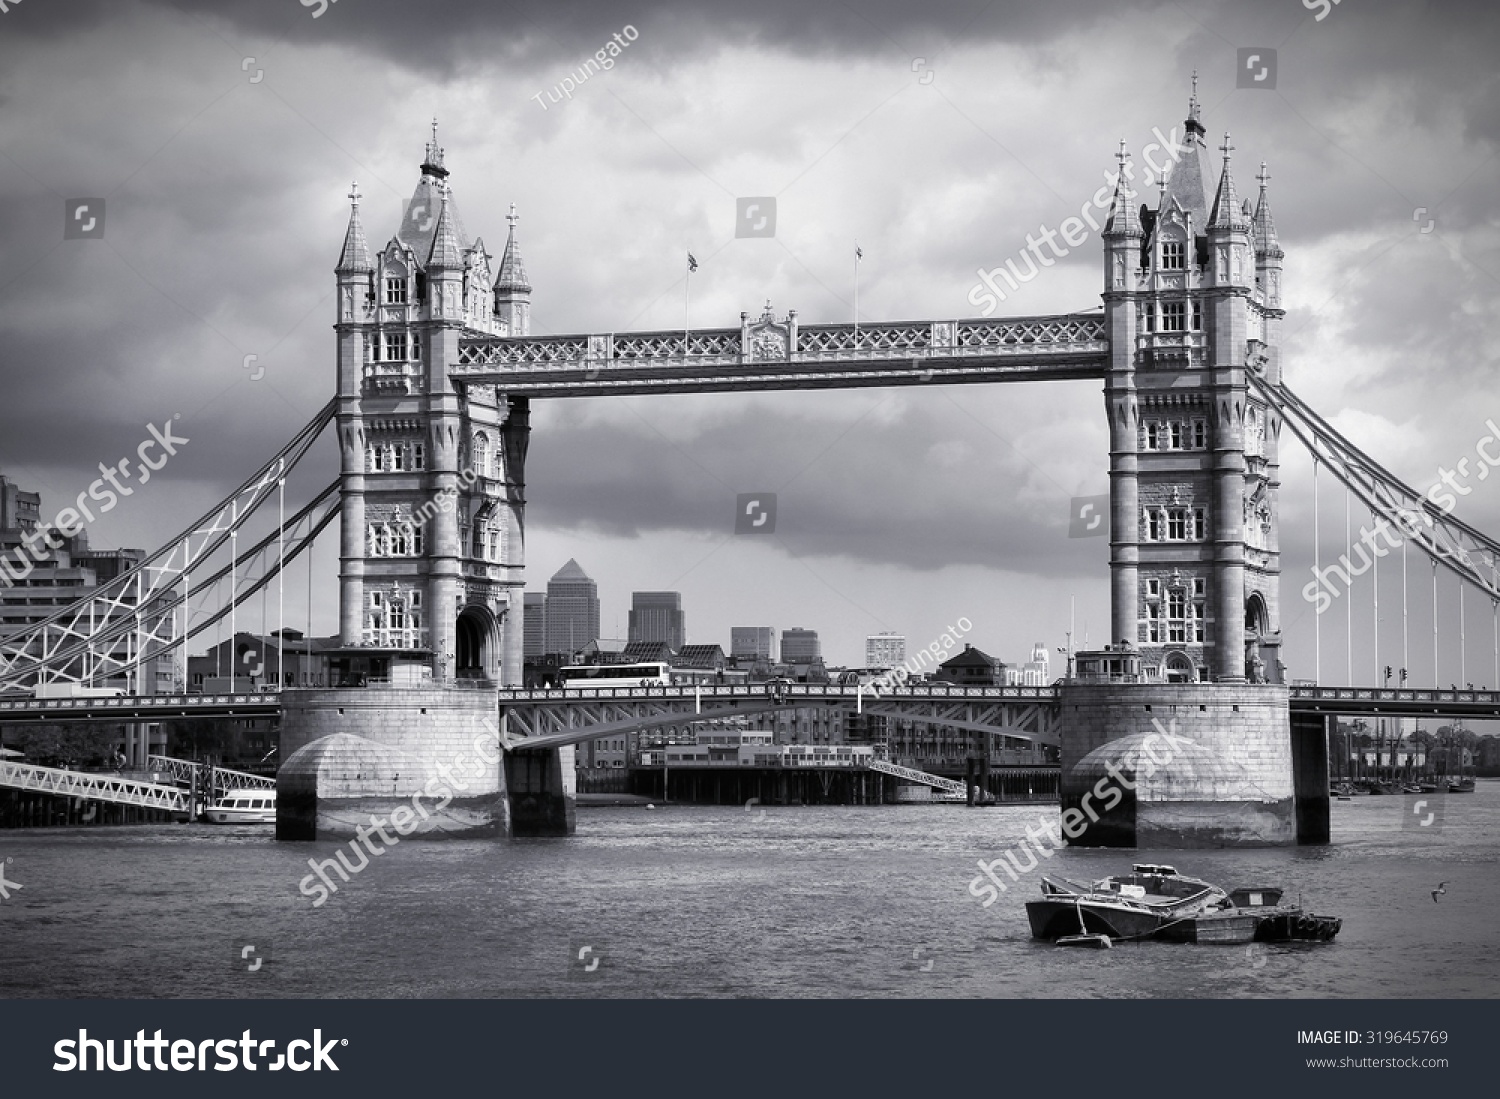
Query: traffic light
x,y
1387,673
1403,677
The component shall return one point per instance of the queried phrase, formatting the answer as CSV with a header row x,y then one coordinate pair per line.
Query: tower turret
x,y
512,287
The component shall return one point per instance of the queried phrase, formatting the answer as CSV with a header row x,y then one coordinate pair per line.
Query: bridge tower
x,y
1187,702
433,474
432,550
1193,300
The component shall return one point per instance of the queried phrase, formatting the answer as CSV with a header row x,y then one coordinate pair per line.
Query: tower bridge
x,y
436,366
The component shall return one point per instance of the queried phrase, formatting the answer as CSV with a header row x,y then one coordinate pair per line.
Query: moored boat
x,y
1156,902
243,807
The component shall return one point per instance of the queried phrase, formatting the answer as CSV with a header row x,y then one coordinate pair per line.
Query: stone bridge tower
x,y
1180,736
1193,301
433,475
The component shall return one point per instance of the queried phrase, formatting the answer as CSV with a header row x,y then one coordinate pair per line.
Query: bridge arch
x,y
1177,667
476,644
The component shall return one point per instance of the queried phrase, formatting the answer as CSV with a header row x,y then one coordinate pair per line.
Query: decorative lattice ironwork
x,y
1032,333
130,621
823,340
769,354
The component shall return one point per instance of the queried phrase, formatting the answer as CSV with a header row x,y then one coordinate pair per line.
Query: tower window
x,y
1173,255
1197,316
1199,525
395,291
1153,526
1200,434
1176,525
1175,429
1172,316
1153,436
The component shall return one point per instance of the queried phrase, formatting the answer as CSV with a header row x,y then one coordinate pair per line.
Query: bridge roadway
x,y
1027,713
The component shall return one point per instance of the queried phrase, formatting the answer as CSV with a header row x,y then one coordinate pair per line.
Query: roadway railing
x,y
1395,699
134,707
782,692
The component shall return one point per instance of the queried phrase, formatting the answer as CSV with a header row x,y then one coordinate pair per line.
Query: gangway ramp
x,y
224,780
82,784
950,788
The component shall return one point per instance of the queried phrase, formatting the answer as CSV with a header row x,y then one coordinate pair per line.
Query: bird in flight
x,y
1439,891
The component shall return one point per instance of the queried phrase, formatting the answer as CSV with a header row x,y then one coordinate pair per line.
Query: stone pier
x,y
426,759
1177,765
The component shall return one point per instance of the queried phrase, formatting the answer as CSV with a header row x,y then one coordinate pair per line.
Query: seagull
x,y
1439,891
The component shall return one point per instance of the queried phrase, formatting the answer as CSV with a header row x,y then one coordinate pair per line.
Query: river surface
x,y
698,901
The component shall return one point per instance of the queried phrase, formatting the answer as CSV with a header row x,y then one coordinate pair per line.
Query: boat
x,y
243,807
1154,901
1085,938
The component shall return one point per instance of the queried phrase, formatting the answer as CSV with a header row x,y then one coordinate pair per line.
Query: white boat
x,y
243,807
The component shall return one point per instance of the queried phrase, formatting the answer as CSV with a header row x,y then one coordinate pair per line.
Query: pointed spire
x,y
1122,217
1263,224
432,163
512,273
445,254
1194,121
1226,212
355,258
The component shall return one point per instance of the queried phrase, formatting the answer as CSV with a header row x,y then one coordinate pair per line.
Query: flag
x,y
692,263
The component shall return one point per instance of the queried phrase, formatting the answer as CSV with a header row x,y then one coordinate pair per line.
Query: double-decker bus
x,y
615,676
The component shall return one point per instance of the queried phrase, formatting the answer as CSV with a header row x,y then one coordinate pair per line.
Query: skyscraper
x,y
657,616
572,609
753,642
799,646
535,624
884,650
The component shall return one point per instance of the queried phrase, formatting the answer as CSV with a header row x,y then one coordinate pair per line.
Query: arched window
x,y
481,455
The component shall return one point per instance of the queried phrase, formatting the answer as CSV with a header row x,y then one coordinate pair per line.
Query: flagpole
x,y
858,255
687,308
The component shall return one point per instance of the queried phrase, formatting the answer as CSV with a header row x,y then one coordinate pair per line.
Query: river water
x,y
698,901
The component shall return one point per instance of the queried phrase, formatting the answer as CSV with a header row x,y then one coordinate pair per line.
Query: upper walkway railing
x,y
778,353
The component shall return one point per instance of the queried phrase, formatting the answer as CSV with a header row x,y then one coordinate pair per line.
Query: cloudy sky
x,y
223,136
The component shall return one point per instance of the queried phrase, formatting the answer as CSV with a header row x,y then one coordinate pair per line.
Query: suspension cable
x,y
1349,600
1436,682
1318,617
